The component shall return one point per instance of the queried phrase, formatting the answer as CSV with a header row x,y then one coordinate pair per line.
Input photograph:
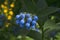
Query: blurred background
x,y
47,27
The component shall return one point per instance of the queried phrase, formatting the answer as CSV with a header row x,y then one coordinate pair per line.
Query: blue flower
x,y
33,22
29,19
27,15
27,25
33,26
35,18
22,15
22,21
17,16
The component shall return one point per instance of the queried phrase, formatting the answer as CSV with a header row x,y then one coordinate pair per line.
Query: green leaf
x,y
49,24
32,6
58,36
50,27
41,4
47,33
42,20
47,11
43,14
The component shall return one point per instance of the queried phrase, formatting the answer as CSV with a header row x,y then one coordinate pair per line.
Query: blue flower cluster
x,y
26,20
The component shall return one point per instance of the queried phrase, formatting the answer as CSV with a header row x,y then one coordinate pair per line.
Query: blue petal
x,y
27,15
29,20
33,22
22,21
35,18
22,15
17,16
27,25
33,27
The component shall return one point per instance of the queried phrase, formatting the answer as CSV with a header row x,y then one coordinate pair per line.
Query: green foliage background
x,y
48,12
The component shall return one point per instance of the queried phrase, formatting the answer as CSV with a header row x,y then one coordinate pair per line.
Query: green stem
x,y
42,34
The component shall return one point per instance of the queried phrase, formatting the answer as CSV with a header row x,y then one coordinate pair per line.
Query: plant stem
x,y
42,34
